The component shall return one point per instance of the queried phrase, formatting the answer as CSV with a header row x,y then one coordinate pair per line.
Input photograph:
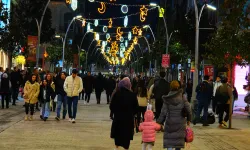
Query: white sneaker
x,y
70,120
73,121
84,102
88,104
216,116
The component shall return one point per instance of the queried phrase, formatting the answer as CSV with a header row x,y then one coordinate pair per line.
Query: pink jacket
x,y
148,127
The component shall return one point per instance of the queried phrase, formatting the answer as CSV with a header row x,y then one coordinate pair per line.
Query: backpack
x,y
189,135
221,97
247,99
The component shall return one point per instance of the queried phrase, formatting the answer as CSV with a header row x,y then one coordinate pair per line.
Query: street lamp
x,y
196,72
147,26
59,37
39,27
77,17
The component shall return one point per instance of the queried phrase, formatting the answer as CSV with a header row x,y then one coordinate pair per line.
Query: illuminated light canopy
x,y
129,36
74,4
143,13
121,39
126,43
97,36
107,36
124,9
102,9
96,22
105,29
125,21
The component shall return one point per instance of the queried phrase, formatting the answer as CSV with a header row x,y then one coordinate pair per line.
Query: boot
x,y
26,118
31,118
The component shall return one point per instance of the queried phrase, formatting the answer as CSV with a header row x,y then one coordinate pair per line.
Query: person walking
x,y
61,96
15,82
124,106
31,93
176,113
46,93
5,89
161,87
51,83
204,94
189,89
73,86
110,87
88,84
38,80
148,128
216,84
99,86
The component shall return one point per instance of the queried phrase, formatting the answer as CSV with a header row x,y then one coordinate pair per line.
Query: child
x,y
46,93
148,128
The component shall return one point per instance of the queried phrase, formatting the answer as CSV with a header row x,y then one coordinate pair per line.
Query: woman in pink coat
x,y
148,128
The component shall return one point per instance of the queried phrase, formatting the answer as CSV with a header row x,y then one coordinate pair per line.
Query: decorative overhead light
x,y
129,36
96,22
103,44
135,30
140,32
97,36
105,29
88,27
107,36
126,43
125,21
102,9
74,4
91,0
143,13
110,23
121,39
124,9
121,45
83,23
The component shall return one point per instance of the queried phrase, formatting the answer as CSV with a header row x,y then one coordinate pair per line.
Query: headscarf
x,y
125,83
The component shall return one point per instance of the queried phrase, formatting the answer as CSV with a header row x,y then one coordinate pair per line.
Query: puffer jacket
x,y
148,127
73,86
31,92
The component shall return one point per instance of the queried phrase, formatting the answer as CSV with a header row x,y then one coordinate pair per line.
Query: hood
x,y
149,116
173,97
5,75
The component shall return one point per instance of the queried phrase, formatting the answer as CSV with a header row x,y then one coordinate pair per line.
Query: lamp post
x,y
64,41
39,26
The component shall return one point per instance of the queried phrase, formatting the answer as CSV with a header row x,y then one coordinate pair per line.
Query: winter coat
x,y
31,92
204,92
59,87
161,87
175,123
215,86
88,84
50,94
5,84
110,86
124,106
224,88
73,86
148,127
99,83
15,78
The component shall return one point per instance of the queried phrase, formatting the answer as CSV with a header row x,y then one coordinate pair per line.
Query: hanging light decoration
x,y
121,39
103,44
105,29
102,9
96,22
140,32
135,40
135,30
107,36
97,36
122,45
124,9
110,23
88,27
83,23
125,21
143,13
91,0
126,43
129,36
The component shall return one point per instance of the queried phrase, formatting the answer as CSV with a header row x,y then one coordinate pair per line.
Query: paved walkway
x,y
92,130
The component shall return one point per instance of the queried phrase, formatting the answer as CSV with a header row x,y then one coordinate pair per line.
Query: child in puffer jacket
x,y
148,129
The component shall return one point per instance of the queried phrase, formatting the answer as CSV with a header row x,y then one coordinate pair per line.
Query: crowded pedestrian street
x,y
92,131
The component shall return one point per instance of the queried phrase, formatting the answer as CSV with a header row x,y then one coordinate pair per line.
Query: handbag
x,y
189,135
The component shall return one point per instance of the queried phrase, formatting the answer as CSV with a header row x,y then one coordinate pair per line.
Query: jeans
x,y
204,106
223,108
172,149
61,100
87,97
45,110
29,107
73,100
6,98
15,92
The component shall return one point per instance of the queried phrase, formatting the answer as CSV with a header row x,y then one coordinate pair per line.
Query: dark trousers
x,y
204,106
108,97
29,108
98,96
214,106
81,96
221,109
74,101
6,98
15,92
158,106
140,114
87,97
54,106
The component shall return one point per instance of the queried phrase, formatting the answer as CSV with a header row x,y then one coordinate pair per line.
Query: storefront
x,y
3,59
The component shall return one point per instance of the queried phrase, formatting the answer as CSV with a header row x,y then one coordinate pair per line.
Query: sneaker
x,y
73,121
45,118
70,120
205,125
26,118
64,118
221,126
84,102
224,123
57,118
216,116
31,118
87,104
41,117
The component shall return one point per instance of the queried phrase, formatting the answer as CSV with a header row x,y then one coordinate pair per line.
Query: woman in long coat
x,y
124,105
172,114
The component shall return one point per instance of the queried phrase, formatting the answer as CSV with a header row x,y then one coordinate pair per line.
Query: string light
x,y
83,23
97,36
68,1
143,13
135,30
99,43
102,10
140,32
124,9
129,35
91,0
105,29
96,23
126,43
112,0
107,36
121,39
125,21
109,40
118,37
115,4
118,31
88,27
110,23
135,40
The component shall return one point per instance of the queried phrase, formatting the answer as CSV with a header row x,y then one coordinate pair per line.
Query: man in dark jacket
x,y
61,96
204,94
88,83
5,89
15,82
99,86
161,87
110,87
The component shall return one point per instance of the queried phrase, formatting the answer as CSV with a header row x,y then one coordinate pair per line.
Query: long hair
x,y
142,92
30,79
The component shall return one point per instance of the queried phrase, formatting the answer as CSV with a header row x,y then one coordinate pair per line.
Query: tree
x,y
4,16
